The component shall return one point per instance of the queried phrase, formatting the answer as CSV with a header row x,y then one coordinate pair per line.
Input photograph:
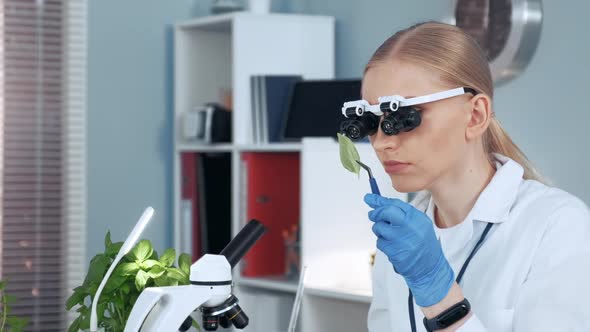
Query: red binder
x,y
191,193
273,190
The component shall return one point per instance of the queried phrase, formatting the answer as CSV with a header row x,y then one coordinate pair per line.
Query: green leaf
x,y
167,258
148,264
114,282
348,154
184,263
164,281
85,322
100,310
125,289
113,249
154,255
83,309
16,324
91,288
112,324
10,299
156,271
142,251
176,274
126,269
161,281
132,299
97,269
76,298
75,326
107,241
141,279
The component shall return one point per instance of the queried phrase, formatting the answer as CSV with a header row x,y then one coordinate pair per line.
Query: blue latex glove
x,y
406,235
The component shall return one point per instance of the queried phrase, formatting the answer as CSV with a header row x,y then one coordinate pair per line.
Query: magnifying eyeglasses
x,y
362,119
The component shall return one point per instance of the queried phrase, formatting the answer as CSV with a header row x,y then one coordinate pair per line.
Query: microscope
x,y
165,309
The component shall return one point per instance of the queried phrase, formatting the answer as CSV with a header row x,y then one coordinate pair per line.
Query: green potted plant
x,y
140,268
8,322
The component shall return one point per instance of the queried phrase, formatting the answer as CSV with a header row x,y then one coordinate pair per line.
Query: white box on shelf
x,y
337,241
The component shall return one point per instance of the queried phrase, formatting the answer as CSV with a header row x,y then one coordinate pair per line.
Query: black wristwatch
x,y
448,317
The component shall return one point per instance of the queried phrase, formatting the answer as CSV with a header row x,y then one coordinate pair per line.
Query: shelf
x,y
200,147
351,295
289,286
221,23
270,147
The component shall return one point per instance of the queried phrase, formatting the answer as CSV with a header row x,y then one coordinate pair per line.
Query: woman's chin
x,y
404,184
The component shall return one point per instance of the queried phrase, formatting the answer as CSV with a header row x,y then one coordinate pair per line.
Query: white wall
x,y
544,110
129,116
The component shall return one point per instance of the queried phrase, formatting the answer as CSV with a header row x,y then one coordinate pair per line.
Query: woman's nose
x,y
382,142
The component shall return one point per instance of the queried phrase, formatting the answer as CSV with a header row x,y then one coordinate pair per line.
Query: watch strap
x,y
448,317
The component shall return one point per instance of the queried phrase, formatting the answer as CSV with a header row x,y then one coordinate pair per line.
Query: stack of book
x,y
270,105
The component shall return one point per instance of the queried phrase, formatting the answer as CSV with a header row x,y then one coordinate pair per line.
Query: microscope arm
x,y
154,312
144,304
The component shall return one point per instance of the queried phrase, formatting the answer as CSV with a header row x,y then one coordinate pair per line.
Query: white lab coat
x,y
532,273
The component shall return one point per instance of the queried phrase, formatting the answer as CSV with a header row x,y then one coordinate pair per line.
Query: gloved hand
x,y
406,235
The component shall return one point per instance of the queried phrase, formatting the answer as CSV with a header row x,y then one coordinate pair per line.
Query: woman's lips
x,y
394,166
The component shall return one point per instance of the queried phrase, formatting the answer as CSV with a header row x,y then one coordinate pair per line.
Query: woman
x,y
524,247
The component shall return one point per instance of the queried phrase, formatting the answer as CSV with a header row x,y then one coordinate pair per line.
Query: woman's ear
x,y
480,116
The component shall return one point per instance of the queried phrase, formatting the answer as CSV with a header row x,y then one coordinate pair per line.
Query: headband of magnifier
x,y
363,119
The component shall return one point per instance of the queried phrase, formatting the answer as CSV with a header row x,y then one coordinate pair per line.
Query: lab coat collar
x,y
495,201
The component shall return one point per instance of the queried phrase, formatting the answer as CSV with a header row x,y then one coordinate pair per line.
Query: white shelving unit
x,y
269,284
220,53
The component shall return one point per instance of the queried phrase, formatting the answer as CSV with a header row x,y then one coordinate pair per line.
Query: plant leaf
x,y
126,269
142,251
168,257
100,310
349,154
85,322
141,279
91,288
97,268
164,281
10,299
176,274
114,282
184,263
111,324
76,298
148,264
113,249
156,271
107,241
16,324
83,309
75,326
125,289
154,255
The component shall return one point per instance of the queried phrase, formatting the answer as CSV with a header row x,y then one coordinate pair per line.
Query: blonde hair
x,y
459,60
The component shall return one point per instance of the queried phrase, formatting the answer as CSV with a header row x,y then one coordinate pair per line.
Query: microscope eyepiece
x,y
237,248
